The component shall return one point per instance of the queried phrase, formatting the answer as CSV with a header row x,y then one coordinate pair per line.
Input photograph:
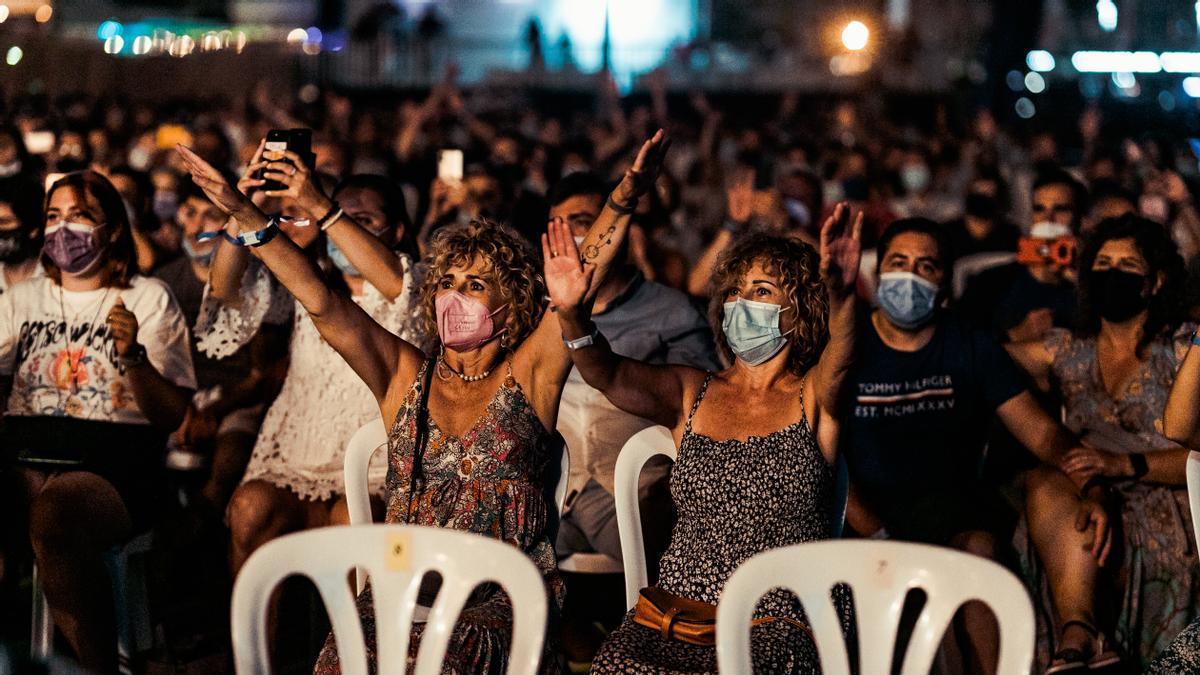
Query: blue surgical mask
x,y
339,259
203,259
907,299
752,330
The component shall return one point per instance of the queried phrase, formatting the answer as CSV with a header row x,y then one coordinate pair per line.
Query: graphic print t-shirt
x,y
921,419
69,367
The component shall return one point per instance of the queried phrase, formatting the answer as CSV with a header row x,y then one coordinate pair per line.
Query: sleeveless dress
x,y
1151,582
735,499
488,481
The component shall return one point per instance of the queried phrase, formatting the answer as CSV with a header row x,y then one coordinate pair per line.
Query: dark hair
x,y
395,207
1003,197
1162,257
798,268
945,250
25,199
575,184
1108,189
1056,176
121,262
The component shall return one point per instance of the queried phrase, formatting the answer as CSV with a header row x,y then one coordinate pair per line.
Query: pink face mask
x,y
464,323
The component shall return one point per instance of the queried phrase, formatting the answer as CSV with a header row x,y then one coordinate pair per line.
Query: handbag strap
x,y
416,481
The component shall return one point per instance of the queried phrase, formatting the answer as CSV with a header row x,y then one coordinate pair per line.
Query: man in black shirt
x,y
926,387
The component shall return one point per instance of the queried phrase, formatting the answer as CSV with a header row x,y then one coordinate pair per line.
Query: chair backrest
x,y
1193,485
972,265
643,445
362,446
397,557
880,574
638,450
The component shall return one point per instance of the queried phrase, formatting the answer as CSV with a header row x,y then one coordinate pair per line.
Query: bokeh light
x,y
114,44
297,36
109,29
1025,108
855,36
43,14
13,57
1035,83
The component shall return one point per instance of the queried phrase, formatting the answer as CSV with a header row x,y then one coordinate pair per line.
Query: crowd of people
x,y
993,331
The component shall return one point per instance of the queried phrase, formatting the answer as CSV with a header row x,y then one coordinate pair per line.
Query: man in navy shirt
x,y
926,388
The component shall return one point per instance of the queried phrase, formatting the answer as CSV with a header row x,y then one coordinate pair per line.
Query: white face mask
x,y
1049,230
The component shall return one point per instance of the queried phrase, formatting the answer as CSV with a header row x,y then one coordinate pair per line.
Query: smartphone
x,y
39,142
450,165
52,178
298,141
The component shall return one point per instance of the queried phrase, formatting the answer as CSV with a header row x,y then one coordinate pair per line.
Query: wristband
x,y
622,209
585,341
331,216
1140,466
1196,337
256,238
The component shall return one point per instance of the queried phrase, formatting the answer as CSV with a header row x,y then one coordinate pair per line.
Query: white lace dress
x,y
302,442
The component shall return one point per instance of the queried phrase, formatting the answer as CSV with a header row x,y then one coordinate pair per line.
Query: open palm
x,y
218,190
567,278
641,176
841,249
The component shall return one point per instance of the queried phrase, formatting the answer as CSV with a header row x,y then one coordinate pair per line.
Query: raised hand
x,y
568,280
841,250
641,176
219,191
299,182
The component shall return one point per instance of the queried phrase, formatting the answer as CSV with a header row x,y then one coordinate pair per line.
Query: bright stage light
x,y
1106,15
855,36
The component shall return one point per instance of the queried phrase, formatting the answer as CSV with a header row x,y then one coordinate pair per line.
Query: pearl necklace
x,y
442,365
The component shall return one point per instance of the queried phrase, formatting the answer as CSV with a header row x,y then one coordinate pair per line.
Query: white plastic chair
x,y
579,563
638,450
396,557
967,267
359,451
880,573
1193,485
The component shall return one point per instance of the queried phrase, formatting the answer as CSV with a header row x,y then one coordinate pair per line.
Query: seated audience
x,y
925,388
96,371
1113,374
500,368
757,441
1022,300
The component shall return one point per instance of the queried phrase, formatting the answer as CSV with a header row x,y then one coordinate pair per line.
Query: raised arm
x,y
1181,418
841,253
652,392
230,262
370,349
370,256
604,242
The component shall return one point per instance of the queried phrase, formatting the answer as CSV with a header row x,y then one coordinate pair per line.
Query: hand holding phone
x,y
298,141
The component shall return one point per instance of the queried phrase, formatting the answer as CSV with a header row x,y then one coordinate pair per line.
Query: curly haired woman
x,y
469,437
757,441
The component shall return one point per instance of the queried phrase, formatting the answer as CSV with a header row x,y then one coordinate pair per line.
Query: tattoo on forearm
x,y
592,251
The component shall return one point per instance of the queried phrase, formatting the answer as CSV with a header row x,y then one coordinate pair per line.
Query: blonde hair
x,y
507,257
798,268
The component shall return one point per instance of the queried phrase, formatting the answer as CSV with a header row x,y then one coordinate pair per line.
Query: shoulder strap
x,y
696,404
803,412
417,478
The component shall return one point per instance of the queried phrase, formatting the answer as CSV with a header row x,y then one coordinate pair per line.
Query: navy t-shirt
x,y
920,420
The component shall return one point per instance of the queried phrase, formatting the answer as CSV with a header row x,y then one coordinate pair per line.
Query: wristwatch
x,y
585,341
135,357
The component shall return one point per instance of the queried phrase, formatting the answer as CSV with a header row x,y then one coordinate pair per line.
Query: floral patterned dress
x,y
1155,574
489,480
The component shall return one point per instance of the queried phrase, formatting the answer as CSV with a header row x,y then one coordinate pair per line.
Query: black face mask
x,y
1118,296
979,205
14,245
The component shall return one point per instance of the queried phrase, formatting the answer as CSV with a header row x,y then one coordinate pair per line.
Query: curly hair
x,y
798,269
1162,257
507,257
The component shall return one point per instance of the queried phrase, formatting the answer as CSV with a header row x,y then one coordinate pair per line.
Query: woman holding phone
x,y
470,434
